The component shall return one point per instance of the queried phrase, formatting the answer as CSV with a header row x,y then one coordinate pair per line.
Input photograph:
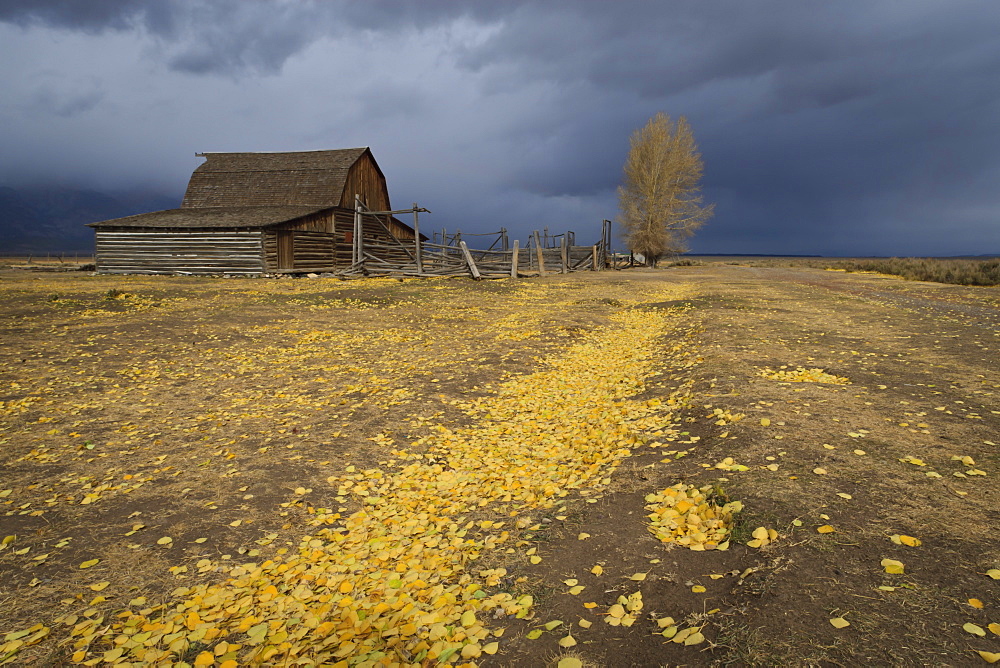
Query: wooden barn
x,y
256,213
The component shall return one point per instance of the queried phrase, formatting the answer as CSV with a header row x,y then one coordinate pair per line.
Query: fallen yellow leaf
x,y
974,629
569,662
892,566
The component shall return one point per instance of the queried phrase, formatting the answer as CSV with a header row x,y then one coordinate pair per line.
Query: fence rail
x,y
450,255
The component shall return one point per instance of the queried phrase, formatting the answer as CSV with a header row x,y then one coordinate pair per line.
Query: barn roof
x,y
214,216
271,179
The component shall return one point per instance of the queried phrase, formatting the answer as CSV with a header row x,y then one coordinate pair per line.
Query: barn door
x,y
286,251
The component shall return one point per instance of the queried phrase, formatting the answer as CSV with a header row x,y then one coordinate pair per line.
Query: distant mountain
x,y
53,218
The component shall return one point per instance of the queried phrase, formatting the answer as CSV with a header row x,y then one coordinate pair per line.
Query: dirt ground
x,y
383,472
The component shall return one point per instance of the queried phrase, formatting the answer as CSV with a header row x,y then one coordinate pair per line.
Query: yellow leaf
x,y
839,623
585,623
236,523
765,422
204,659
166,540
698,589
826,528
569,662
491,648
860,453
976,603
590,605
994,627
637,577
989,657
471,651
844,495
819,471
695,638
99,586
576,590
994,573
617,611
534,559
583,536
568,641
975,630
597,570
200,540
909,540
89,563
468,619
892,566
571,582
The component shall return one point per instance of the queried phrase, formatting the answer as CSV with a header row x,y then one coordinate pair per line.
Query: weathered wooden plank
x,y
540,254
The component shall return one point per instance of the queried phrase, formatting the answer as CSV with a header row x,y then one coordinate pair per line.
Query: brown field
x,y
232,472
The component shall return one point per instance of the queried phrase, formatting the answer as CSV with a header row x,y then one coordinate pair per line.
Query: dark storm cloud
x,y
90,16
235,36
825,127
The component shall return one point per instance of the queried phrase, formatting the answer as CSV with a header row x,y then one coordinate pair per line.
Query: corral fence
x,y
492,255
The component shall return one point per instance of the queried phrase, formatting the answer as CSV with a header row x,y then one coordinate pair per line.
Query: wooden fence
x,y
450,254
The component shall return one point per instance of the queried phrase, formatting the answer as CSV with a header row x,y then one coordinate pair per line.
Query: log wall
x,y
311,252
178,251
322,222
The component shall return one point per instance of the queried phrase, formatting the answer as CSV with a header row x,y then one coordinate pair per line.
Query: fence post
x,y
593,258
513,260
358,230
564,254
541,260
468,260
416,240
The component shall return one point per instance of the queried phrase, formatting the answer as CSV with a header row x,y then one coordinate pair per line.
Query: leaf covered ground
x,y
694,466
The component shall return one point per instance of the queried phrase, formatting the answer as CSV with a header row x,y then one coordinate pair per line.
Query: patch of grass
x,y
958,271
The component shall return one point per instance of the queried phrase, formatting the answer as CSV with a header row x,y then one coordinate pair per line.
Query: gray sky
x,y
848,127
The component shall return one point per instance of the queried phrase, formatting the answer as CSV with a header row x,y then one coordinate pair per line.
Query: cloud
x,y
64,103
822,125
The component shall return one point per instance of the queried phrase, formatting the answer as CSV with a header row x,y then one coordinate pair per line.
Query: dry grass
x,y
956,271
298,379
